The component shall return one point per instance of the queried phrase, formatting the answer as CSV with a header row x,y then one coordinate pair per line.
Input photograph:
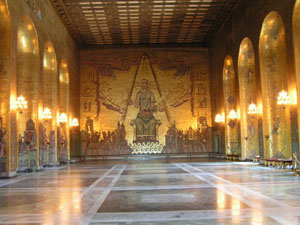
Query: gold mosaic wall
x,y
296,35
50,83
64,96
110,78
28,74
230,99
4,74
33,43
248,95
273,65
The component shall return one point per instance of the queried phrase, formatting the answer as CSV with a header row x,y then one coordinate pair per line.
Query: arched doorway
x,y
5,152
296,35
48,128
273,66
63,131
28,87
230,100
248,98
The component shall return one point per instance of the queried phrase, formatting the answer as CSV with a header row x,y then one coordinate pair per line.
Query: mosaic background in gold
x,y
248,95
230,99
28,74
296,35
273,65
179,79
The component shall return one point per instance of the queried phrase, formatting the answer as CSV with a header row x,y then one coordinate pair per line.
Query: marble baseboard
x,y
4,175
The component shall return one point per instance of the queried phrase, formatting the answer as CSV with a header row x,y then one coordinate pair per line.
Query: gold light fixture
x,y
21,104
283,99
232,115
74,122
252,109
46,114
219,118
63,118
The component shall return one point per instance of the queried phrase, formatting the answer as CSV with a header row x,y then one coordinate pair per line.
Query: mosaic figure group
x,y
104,143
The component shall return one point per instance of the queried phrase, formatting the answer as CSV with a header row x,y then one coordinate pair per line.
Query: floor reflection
x,y
152,193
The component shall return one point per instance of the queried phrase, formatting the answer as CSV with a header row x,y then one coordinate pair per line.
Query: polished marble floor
x,y
152,192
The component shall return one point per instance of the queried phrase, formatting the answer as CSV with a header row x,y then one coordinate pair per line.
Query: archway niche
x,y
248,98
296,35
273,66
230,100
5,152
63,131
48,129
28,87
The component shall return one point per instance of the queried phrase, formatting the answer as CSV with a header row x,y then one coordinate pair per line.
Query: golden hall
x,y
149,112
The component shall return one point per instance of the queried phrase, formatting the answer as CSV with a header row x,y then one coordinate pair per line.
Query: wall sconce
x,y
46,114
252,109
62,118
74,122
283,99
21,104
232,115
219,118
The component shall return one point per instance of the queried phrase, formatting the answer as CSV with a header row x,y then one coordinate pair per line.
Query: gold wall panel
x,y
50,82
110,78
24,34
4,86
50,86
273,65
230,99
296,35
247,90
28,74
64,81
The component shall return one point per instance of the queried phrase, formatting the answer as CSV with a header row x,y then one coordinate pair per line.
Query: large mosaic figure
x,y
145,121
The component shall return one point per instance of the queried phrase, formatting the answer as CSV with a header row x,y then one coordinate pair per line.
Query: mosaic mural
x,y
134,97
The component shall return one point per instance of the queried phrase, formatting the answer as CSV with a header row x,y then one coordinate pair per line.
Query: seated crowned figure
x,y
145,122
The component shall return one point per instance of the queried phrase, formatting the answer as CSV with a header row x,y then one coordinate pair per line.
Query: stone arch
x,y
230,101
273,67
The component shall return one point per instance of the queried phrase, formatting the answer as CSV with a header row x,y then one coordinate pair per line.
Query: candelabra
x,y
62,119
21,104
74,122
283,99
46,115
232,115
219,118
252,109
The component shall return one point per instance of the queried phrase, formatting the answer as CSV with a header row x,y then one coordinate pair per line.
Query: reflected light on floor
x,y
257,218
77,204
48,223
235,206
49,219
220,199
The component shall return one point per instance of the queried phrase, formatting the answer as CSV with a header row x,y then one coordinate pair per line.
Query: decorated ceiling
x,y
118,22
